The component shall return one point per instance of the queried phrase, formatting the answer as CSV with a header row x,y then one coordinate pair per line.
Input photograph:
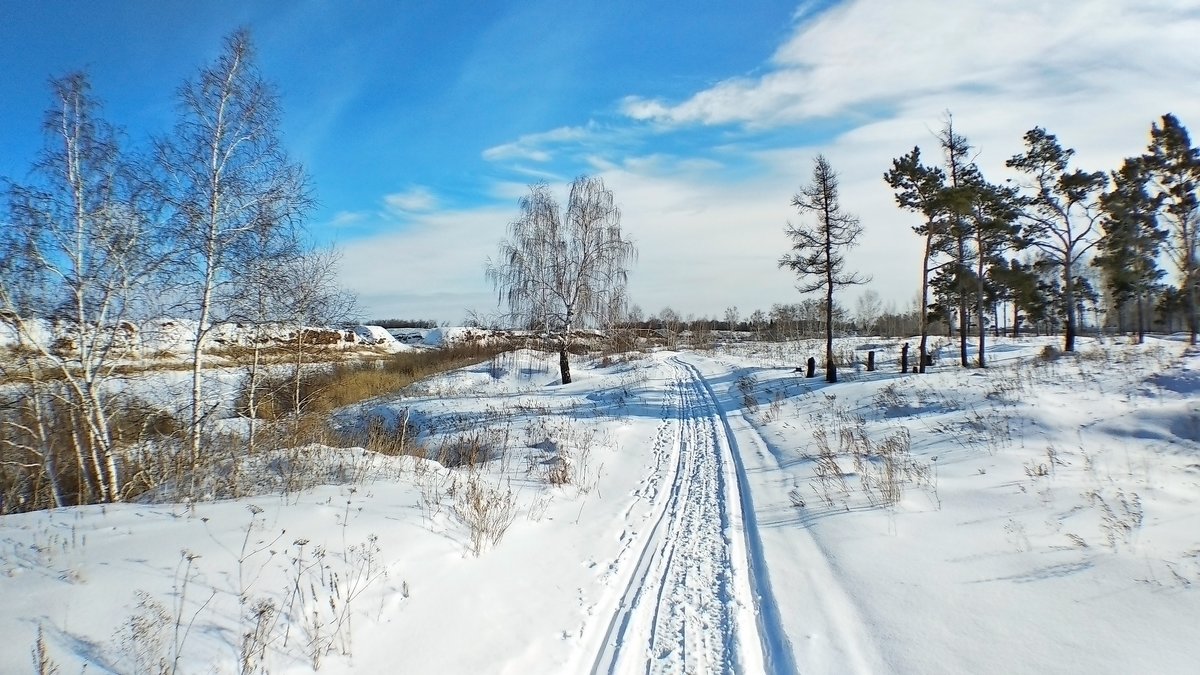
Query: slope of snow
x,y
723,514
176,337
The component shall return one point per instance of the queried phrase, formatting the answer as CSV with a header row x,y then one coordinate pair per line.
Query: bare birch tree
x,y
557,271
296,287
232,187
819,259
79,248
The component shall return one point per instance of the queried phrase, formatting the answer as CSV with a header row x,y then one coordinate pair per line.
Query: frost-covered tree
x,y
561,270
1062,212
232,188
819,249
868,309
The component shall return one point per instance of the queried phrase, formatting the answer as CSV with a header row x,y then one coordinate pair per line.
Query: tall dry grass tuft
x,y
47,459
322,391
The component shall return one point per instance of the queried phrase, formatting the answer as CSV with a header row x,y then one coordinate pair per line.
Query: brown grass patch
x,y
350,382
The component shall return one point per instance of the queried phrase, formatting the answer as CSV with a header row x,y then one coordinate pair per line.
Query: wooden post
x,y
870,361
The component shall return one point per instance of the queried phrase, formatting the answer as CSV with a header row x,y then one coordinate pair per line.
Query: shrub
x,y
486,511
1049,353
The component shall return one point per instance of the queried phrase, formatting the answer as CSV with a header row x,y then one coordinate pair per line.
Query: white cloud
x,y
531,146
870,53
414,200
430,266
344,219
1095,73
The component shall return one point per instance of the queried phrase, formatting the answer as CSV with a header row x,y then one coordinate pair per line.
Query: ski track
x,y
692,601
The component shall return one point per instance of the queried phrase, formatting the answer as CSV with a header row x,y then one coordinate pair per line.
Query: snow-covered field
x,y
676,512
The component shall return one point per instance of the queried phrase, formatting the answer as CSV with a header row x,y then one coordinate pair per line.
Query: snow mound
x,y
379,336
441,337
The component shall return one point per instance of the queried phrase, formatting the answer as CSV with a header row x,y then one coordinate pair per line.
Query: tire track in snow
x,y
777,654
691,603
844,643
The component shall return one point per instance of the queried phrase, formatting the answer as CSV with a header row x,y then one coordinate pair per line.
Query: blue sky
x,y
421,123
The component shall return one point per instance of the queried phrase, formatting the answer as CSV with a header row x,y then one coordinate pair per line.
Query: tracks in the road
x,y
697,600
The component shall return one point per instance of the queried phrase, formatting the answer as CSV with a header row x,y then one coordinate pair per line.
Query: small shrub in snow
x,y
746,385
487,511
144,641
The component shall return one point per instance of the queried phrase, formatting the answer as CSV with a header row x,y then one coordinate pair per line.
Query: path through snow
x,y
692,603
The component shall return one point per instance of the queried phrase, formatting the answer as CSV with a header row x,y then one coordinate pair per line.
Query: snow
x,y
171,337
439,337
380,337
722,515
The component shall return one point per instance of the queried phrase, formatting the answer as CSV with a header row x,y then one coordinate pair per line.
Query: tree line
x,y
1031,242
204,222
1027,241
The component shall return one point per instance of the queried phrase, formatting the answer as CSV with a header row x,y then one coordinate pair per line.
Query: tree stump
x,y
812,367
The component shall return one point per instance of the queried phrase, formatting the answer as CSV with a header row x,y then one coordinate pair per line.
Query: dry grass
x,y
349,382
39,437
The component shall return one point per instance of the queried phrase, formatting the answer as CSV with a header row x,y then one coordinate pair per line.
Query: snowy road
x,y
696,600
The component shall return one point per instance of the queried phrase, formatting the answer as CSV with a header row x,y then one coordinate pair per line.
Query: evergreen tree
x,y
919,188
1129,249
1062,210
819,259
1174,166
957,199
994,210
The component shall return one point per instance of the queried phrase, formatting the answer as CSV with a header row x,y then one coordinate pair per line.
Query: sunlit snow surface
x,y
1047,519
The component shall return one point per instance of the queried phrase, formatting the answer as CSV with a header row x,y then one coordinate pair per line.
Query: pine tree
x,y
994,210
1129,249
1018,283
919,188
958,199
1062,211
819,259
1174,166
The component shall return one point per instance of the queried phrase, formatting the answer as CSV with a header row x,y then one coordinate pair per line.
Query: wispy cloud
x,y
416,199
535,147
875,53
345,219
441,274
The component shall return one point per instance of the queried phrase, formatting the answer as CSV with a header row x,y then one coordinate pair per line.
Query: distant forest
x,y
403,323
